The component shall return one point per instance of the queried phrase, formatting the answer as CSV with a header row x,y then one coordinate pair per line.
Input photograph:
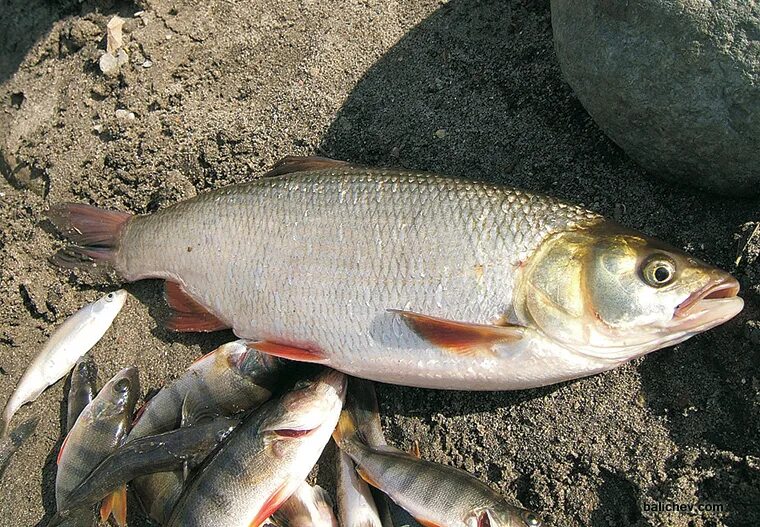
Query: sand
x,y
216,91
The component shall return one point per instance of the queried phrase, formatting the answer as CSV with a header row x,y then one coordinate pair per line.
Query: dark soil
x,y
465,88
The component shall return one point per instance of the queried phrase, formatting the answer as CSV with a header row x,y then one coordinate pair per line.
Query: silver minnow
x,y
76,336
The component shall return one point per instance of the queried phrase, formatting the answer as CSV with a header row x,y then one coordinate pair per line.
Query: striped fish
x,y
230,379
100,429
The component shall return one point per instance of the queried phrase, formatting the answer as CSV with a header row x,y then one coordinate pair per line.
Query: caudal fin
x,y
361,402
94,233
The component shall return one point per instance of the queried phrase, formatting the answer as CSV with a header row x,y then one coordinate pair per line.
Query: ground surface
x,y
467,88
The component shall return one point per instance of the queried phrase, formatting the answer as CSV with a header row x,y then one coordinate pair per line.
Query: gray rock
x,y
675,83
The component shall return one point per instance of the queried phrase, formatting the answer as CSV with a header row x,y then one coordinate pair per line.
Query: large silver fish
x,y
435,495
230,379
98,431
411,278
265,460
75,337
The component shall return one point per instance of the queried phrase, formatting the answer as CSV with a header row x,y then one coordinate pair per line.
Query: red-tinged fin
x,y
60,450
415,450
188,315
291,164
93,232
272,504
484,520
287,352
462,338
106,507
119,509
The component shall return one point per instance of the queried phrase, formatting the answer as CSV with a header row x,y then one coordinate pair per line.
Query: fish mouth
x,y
709,306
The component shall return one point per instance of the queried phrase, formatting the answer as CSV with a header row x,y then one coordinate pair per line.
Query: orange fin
x,y
367,478
291,164
116,504
462,338
415,450
60,450
188,315
105,507
271,505
426,523
287,352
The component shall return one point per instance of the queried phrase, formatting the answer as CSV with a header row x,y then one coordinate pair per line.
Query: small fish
x,y
100,429
11,443
81,388
307,507
229,380
148,455
265,460
410,278
76,336
356,505
434,494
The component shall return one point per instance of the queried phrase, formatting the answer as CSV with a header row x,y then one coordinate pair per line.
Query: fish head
x,y
250,364
117,399
308,405
614,293
111,303
506,516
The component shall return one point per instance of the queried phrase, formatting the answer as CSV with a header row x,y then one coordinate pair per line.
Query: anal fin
x,y
187,314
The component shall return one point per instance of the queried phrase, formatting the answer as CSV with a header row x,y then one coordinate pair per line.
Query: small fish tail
x,y
361,402
94,233
345,433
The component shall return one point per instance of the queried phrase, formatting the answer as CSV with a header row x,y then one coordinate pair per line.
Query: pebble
x,y
124,114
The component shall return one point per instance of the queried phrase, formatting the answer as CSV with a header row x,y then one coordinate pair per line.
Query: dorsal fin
x,y
291,164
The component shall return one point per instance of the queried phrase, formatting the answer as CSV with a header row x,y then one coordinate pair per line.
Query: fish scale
x,y
318,257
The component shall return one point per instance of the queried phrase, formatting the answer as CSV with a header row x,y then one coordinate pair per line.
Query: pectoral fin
x,y
461,338
272,504
285,351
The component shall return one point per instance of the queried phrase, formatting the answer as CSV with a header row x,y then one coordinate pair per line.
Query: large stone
x,y
675,83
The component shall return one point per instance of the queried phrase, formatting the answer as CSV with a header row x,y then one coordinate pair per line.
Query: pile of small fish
x,y
447,284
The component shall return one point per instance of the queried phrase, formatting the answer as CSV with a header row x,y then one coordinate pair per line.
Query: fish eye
x,y
109,297
658,271
121,386
531,519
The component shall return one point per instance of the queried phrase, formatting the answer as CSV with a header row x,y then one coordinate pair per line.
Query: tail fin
x,y
94,233
361,402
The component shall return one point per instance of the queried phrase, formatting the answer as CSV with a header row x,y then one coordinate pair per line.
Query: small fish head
x,y
308,404
118,397
260,368
110,303
619,294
